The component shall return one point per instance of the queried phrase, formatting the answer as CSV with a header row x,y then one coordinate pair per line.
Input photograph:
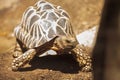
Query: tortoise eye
x,y
68,41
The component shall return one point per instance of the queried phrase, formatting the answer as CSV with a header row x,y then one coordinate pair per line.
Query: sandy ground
x,y
84,15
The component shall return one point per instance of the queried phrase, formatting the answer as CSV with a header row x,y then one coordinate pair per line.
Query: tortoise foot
x,y
81,55
23,59
84,61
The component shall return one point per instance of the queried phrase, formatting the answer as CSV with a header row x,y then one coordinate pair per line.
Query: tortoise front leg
x,y
81,55
19,49
23,59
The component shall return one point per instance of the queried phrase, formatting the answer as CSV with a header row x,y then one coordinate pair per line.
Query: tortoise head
x,y
66,42
70,42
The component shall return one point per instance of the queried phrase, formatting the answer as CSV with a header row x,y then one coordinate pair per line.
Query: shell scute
x,y
41,23
62,22
52,16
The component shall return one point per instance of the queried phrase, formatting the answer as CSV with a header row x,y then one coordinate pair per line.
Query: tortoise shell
x,y
41,23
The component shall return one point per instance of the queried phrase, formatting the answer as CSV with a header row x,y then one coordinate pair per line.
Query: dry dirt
x,y
84,15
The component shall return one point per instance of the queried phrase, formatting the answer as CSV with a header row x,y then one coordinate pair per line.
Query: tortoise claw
x,y
16,54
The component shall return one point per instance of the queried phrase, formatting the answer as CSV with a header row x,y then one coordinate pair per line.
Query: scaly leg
x,y
82,57
23,59
17,51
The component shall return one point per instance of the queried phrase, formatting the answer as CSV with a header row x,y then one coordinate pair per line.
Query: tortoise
x,y
45,29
